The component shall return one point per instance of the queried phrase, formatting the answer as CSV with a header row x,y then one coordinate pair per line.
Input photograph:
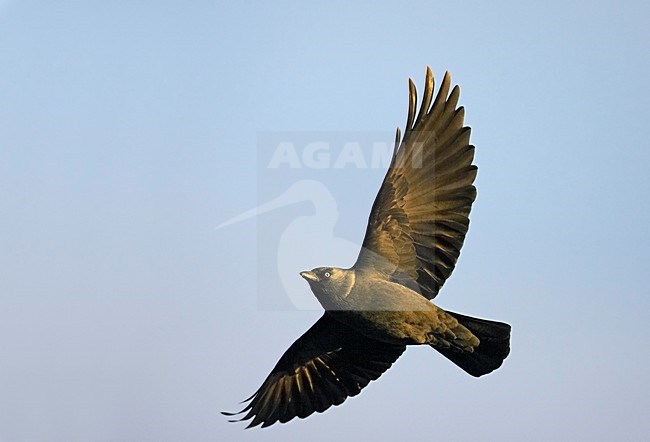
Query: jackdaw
x,y
376,308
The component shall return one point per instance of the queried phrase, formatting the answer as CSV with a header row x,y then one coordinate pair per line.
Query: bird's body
x,y
416,228
386,311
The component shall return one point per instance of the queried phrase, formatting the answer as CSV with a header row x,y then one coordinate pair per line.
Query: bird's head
x,y
331,285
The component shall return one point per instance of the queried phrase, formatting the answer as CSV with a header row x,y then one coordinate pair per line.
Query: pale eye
x,y
327,274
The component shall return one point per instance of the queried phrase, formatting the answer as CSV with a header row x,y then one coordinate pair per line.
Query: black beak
x,y
310,276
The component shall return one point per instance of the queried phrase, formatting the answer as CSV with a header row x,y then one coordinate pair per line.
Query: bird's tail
x,y
490,353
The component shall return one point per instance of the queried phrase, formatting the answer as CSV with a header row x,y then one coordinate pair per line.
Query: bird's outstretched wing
x,y
322,368
419,219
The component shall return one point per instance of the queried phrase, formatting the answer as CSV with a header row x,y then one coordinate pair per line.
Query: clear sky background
x,y
129,131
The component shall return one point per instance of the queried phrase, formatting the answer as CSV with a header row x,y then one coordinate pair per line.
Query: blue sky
x,y
130,130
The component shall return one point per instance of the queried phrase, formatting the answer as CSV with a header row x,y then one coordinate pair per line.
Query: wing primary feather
x,y
398,136
289,411
452,101
284,393
413,98
428,95
230,413
438,103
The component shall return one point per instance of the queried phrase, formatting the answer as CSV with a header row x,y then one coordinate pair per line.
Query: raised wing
x,y
322,368
419,219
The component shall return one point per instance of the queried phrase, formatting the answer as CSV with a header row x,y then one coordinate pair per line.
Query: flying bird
x,y
374,309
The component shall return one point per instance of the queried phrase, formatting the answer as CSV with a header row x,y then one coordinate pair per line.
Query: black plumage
x,y
416,228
